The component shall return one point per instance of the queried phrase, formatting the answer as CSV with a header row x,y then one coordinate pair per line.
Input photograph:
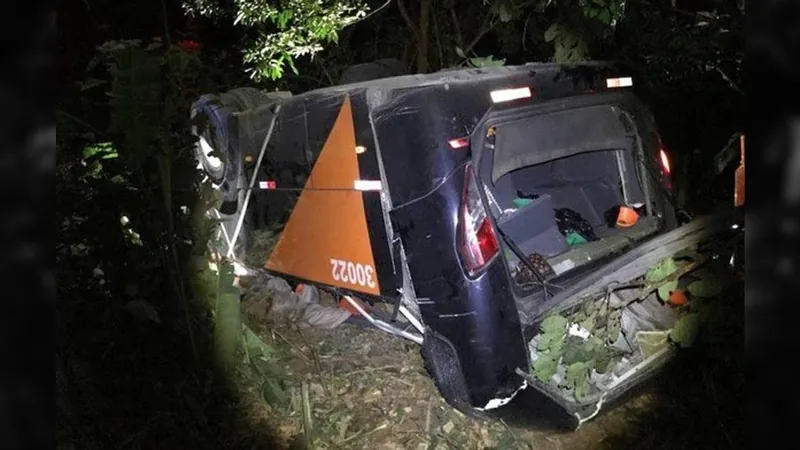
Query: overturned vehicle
x,y
518,220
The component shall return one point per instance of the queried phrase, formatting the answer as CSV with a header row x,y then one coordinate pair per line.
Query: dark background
x,y
28,32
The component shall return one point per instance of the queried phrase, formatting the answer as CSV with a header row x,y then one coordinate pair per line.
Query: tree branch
x,y
488,25
732,84
380,8
456,25
438,42
404,13
424,25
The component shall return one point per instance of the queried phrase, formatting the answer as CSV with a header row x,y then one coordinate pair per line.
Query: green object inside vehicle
x,y
520,202
574,239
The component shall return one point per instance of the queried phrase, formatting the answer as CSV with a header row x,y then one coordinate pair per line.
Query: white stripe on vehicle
x,y
367,185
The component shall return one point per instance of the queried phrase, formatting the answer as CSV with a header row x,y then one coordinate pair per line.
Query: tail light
x,y
477,242
664,161
666,168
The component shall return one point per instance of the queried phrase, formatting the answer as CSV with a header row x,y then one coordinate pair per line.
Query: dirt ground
x,y
369,390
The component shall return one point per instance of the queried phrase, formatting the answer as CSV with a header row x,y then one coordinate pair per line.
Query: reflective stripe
x,y
367,185
619,82
505,95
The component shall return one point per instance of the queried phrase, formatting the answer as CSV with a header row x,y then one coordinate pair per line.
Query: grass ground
x,y
368,390
127,383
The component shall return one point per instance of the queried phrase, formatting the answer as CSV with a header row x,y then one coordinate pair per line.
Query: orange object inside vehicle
x,y
677,298
627,217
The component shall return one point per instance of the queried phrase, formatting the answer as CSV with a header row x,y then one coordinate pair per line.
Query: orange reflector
x,y
506,95
665,162
458,143
627,217
619,82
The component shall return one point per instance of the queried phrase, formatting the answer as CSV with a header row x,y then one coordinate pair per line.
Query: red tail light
x,y
665,161
458,143
666,168
477,242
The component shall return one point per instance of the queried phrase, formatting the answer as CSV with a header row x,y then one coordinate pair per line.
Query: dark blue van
x,y
468,199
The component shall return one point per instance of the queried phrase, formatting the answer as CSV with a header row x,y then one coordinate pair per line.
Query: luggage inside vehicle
x,y
567,187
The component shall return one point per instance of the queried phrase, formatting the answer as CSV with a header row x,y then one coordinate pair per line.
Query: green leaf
x,y
581,388
590,322
557,347
460,53
255,346
550,341
576,350
104,150
685,330
602,361
504,13
614,329
554,324
273,393
707,287
661,271
604,16
545,367
551,32
577,378
666,289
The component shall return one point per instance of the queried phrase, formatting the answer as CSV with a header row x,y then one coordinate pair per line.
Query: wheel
x,y
382,68
209,124
221,162
442,363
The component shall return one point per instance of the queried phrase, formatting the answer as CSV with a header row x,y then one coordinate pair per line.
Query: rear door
x,y
334,235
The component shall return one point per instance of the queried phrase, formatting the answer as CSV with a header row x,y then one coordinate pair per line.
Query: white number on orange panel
x,y
353,273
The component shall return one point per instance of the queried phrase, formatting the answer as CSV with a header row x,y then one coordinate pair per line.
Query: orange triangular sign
x,y
325,239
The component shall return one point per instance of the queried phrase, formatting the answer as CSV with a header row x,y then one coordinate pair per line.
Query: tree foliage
x,y
280,32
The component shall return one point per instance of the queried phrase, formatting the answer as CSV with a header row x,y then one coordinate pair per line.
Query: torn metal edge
x,y
498,402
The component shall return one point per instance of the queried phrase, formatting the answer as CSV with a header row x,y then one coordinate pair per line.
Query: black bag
x,y
570,221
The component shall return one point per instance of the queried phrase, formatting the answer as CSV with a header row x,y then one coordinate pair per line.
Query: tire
x,y
443,365
382,68
209,124
210,116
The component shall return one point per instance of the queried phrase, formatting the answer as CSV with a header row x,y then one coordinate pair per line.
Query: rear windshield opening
x,y
556,188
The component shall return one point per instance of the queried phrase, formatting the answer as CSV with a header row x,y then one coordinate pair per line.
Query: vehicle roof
x,y
454,76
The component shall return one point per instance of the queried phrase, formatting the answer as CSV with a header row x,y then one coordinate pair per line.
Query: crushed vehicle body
x,y
481,203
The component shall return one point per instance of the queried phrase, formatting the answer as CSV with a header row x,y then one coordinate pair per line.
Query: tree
x,y
282,31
